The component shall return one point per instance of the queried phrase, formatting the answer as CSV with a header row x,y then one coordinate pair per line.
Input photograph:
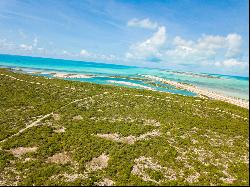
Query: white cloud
x,y
149,47
144,23
210,42
35,41
178,41
26,47
234,42
208,51
208,47
40,49
86,55
65,52
230,63
84,52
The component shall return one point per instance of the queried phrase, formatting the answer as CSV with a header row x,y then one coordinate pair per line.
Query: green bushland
x,y
197,143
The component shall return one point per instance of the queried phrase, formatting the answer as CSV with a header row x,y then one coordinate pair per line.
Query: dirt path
x,y
35,123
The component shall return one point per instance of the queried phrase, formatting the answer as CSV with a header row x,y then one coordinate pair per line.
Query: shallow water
x,y
129,76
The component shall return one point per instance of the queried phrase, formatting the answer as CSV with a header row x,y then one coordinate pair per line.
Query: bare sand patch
x,y
193,178
17,152
117,138
79,117
151,122
61,130
28,159
105,182
148,135
98,163
56,117
60,158
130,139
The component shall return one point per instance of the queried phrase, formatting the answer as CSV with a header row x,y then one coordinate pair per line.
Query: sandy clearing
x,y
98,163
129,139
79,117
60,158
17,152
105,182
61,130
56,116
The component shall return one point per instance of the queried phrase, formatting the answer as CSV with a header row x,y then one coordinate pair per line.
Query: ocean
x,y
129,76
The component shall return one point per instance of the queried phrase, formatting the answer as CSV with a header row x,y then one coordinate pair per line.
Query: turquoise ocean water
x,y
128,76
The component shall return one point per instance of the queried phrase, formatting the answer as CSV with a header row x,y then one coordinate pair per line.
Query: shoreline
x,y
192,88
201,92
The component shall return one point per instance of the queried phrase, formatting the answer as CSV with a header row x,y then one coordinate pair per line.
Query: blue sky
x,y
189,35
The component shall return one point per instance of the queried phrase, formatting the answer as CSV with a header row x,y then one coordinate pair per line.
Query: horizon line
x,y
75,60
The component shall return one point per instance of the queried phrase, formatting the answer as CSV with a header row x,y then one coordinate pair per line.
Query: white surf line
x,y
200,91
130,84
79,89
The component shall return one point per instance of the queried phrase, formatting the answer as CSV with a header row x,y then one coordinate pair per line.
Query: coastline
x,y
203,92
191,88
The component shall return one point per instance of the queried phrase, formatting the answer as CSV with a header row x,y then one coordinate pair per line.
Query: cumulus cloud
x,y
26,47
144,23
230,63
84,52
86,55
208,51
178,41
207,47
29,47
150,47
234,42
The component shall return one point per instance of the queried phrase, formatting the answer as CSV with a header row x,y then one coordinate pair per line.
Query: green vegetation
x,y
88,134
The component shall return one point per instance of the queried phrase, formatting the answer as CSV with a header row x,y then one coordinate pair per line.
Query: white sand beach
x,y
66,75
202,91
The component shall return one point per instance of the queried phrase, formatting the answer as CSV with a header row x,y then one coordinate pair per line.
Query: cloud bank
x,y
224,52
